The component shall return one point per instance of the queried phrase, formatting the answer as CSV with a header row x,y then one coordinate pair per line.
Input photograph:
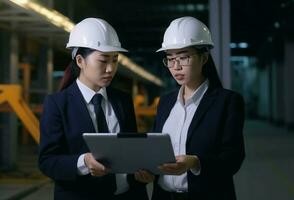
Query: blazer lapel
x,y
167,107
79,105
205,103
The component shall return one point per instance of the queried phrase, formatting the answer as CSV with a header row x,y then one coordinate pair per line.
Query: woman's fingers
x,y
95,167
144,176
177,168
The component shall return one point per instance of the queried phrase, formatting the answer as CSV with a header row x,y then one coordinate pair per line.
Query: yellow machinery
x,y
11,100
144,113
142,110
12,95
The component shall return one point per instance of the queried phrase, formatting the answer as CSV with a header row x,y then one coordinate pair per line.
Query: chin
x,y
105,84
181,82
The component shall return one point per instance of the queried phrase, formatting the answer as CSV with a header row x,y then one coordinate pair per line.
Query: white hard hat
x,y
94,33
184,32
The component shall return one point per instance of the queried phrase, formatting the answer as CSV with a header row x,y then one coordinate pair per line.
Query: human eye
x,y
115,60
102,61
170,59
182,58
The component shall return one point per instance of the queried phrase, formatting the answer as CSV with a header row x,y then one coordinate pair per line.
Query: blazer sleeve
x,y
54,159
229,156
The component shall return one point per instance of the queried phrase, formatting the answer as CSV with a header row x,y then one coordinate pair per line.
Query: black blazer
x,y
64,119
215,135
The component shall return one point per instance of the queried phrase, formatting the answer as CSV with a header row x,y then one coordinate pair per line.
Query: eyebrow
x,y
107,56
180,52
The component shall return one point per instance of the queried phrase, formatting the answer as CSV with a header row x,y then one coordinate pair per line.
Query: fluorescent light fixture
x,y
277,25
233,45
243,45
52,16
65,23
58,74
195,7
190,7
201,7
125,61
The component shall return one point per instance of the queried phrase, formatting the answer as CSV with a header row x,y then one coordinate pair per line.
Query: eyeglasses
x,y
182,60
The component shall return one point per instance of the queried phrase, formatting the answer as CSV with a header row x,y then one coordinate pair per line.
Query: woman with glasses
x,y
86,104
204,120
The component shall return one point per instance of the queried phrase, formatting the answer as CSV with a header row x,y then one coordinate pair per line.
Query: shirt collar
x,y
88,93
196,96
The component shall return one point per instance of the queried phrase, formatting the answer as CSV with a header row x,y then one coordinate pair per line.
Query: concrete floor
x,y
267,172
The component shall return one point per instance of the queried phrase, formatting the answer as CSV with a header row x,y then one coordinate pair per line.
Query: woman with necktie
x,y
86,103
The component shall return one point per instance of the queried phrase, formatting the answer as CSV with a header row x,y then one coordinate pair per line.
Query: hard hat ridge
x,y
184,32
95,33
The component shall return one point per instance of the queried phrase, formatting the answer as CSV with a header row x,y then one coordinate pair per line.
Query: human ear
x,y
80,61
204,58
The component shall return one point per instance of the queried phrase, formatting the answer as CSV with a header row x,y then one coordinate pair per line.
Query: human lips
x,y
179,76
107,78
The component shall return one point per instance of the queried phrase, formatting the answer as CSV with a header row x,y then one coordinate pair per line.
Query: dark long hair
x,y
209,69
72,71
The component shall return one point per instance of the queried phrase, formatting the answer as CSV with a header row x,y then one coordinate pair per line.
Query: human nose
x,y
177,65
109,67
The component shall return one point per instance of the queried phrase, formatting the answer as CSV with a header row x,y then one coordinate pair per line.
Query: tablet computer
x,y
129,152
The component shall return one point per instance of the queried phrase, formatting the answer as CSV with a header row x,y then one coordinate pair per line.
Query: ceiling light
x,y
52,16
243,45
233,45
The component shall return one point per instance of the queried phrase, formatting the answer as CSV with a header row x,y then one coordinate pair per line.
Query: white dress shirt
x,y
177,125
113,126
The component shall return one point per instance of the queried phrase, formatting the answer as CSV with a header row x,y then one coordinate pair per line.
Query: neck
x,y
89,85
189,89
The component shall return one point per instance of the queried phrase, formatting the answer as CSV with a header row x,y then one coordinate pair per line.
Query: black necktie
x,y
100,117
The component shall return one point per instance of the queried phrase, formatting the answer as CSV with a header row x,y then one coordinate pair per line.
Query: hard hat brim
x,y
101,48
177,46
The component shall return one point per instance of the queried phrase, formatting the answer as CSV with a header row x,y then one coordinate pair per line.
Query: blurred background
x,y
254,54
